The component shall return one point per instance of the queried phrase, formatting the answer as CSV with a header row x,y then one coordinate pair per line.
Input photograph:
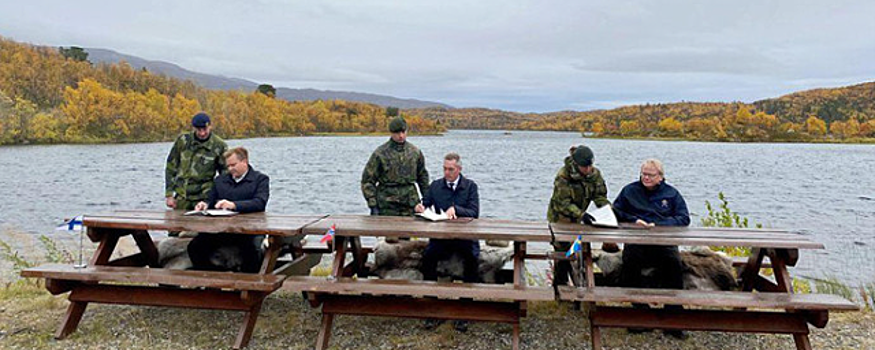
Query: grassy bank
x,y
29,316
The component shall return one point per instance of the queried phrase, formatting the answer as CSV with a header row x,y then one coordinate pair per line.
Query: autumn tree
x,y
74,53
266,89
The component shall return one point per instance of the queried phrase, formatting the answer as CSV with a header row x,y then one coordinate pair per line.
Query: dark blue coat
x,y
249,195
465,198
663,206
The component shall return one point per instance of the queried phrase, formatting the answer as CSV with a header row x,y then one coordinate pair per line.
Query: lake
x,y
826,191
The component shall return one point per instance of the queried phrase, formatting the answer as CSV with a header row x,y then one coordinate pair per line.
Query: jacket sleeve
x,y
259,201
221,167
421,173
561,200
472,209
680,217
427,198
601,193
369,180
212,197
171,169
622,207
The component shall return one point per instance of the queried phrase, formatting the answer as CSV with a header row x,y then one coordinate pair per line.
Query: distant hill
x,y
218,82
828,113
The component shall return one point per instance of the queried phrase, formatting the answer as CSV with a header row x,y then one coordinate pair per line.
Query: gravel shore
x,y
29,316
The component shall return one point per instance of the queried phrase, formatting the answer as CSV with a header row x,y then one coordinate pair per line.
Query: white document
x,y
430,214
212,212
603,216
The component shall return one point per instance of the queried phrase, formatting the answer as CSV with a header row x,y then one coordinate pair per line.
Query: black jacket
x,y
663,206
249,195
465,198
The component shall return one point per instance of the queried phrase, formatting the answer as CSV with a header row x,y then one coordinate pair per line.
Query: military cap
x,y
582,156
397,124
200,120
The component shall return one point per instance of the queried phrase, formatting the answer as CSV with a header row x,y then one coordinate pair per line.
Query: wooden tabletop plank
x,y
170,220
191,278
396,226
349,286
766,238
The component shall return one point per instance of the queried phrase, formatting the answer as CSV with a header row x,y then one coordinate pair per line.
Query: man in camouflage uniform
x,y
576,185
192,164
389,177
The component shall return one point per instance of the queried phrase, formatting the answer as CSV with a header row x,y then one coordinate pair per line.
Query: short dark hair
x,y
242,153
454,156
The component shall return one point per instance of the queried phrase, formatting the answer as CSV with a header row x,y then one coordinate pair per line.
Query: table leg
x,y
71,319
785,284
274,245
104,249
248,325
358,257
516,336
339,256
108,242
147,246
325,332
594,331
752,269
519,264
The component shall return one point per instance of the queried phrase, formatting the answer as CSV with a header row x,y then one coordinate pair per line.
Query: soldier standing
x,y
192,164
389,177
576,185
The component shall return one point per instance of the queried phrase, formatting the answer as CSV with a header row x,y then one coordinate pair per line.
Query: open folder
x,y
430,214
212,212
603,216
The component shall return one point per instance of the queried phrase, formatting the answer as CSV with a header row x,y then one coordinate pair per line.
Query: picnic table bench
x,y
137,279
340,294
739,311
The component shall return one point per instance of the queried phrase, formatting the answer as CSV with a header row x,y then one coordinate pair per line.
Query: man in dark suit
x,y
457,196
242,189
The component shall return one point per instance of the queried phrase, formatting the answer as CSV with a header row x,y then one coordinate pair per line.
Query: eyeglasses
x,y
650,175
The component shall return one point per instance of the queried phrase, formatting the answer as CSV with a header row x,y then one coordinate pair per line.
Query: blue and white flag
x,y
74,225
575,247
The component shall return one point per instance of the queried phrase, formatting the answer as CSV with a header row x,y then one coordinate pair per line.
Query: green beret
x,y
582,156
397,124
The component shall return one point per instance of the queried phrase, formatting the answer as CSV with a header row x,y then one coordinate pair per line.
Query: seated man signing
x,y
458,197
651,202
242,189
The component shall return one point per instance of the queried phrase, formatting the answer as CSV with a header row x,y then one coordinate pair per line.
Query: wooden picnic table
x,y
340,294
110,281
781,247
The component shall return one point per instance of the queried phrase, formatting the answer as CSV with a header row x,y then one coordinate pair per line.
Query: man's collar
x,y
457,182
243,177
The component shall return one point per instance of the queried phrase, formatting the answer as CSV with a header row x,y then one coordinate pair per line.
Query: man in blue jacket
x,y
457,196
651,202
244,190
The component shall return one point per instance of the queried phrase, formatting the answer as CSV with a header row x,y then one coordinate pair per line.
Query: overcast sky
x,y
516,55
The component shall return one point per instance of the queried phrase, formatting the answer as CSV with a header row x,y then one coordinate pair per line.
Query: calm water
x,y
827,191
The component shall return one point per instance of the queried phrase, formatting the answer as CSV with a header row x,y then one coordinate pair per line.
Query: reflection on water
x,y
825,191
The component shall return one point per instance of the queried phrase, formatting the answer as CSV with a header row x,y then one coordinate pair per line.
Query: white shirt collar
x,y
241,177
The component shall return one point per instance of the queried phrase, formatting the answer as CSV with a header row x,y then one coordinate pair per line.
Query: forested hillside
x,y
52,95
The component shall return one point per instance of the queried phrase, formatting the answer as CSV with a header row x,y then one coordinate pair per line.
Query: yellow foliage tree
x,y
671,127
814,126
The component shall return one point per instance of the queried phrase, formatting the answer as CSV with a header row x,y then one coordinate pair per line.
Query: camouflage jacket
x,y
572,192
192,165
389,177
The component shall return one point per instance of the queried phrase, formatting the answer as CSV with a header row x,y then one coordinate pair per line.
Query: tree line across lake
x,y
54,95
